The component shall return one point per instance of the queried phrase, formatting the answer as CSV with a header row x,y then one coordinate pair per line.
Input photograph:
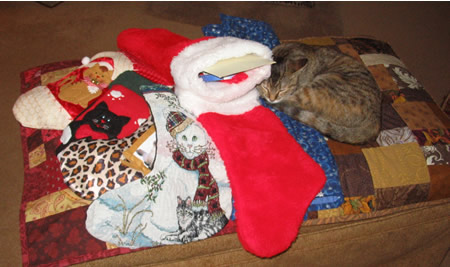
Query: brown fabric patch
x,y
418,115
440,182
443,118
349,50
355,175
382,77
390,118
391,197
371,46
323,41
338,148
416,95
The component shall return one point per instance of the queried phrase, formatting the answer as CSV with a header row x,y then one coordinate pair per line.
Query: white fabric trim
x,y
198,96
39,109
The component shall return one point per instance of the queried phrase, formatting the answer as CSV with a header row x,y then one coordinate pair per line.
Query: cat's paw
x,y
169,237
185,238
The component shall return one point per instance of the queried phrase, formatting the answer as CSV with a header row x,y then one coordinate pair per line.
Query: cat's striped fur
x,y
326,89
195,224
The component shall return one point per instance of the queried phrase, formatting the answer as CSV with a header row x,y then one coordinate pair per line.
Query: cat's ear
x,y
102,105
179,200
297,64
123,120
103,68
188,201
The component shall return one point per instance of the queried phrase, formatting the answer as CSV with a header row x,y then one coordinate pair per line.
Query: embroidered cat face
x,y
191,141
101,119
81,91
185,214
98,75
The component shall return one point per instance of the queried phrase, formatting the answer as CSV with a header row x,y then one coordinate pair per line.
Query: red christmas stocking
x,y
272,179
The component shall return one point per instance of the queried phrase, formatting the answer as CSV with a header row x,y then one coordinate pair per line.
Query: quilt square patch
x,y
349,50
418,115
440,182
338,148
439,114
61,236
336,212
389,117
438,154
52,204
323,41
355,175
399,196
371,46
412,95
351,206
382,77
397,165
403,78
37,156
358,205
34,140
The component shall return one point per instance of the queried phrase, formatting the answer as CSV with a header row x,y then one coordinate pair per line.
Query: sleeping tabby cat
x,y
325,89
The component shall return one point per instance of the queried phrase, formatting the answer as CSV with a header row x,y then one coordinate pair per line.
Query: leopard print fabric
x,y
92,167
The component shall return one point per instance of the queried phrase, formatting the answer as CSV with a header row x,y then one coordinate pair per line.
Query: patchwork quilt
x,y
407,166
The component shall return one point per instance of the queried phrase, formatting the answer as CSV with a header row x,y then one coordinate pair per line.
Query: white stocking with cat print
x,y
144,213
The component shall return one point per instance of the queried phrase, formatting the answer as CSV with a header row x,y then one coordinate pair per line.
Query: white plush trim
x,y
198,96
39,109
121,62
